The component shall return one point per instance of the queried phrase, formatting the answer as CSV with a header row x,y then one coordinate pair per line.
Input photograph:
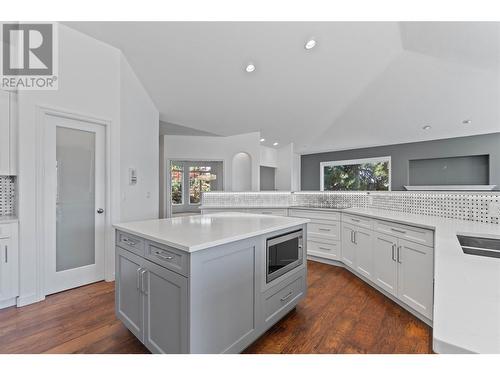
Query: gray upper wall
x,y
401,154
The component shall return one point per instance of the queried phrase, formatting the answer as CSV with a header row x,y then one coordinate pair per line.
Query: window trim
x,y
334,163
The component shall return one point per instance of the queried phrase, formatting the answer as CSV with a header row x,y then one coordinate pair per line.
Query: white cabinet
x,y
385,267
7,134
348,246
9,280
357,249
405,270
415,276
363,252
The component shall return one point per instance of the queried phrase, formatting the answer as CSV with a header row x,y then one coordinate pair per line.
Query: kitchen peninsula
x,y
210,283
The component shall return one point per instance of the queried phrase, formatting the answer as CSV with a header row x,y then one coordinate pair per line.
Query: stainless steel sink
x,y
486,247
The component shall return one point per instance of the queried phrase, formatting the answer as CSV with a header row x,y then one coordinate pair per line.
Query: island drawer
x,y
268,211
360,221
315,214
410,233
320,247
330,229
278,298
168,257
130,243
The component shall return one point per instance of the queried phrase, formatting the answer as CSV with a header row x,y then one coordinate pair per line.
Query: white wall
x,y
242,172
268,157
288,169
139,122
177,147
89,84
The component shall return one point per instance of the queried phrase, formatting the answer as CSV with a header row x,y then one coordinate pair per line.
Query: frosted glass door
x,y
75,191
75,219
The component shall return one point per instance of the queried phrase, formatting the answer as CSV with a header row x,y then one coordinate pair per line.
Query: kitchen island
x,y
208,283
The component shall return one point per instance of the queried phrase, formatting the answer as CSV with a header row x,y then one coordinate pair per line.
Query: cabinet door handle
x,y
282,299
164,257
394,252
128,242
399,254
398,230
139,278
6,254
143,272
354,237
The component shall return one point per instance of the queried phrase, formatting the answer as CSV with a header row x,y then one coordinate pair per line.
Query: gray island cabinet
x,y
200,284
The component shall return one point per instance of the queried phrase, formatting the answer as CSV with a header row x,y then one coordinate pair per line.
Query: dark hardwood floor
x,y
341,314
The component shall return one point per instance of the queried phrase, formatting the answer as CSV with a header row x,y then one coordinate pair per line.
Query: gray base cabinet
x,y
152,302
210,301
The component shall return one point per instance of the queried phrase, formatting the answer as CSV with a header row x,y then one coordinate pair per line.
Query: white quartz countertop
x,y
467,287
8,219
199,232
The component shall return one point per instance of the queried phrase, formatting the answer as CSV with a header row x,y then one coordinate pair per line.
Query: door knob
x,y
100,210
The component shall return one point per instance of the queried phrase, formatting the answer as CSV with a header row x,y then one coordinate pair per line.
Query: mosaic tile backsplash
x,y
471,206
7,195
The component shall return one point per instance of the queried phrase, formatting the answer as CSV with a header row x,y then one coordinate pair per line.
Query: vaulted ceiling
x,y
364,84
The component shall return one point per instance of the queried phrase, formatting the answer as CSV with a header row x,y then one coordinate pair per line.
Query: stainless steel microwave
x,y
284,253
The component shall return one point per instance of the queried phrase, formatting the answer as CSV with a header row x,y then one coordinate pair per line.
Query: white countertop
x,y
467,287
198,232
8,219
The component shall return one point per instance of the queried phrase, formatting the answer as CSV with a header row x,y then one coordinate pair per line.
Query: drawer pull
x,y
282,299
128,242
267,213
398,230
324,248
164,257
355,220
324,229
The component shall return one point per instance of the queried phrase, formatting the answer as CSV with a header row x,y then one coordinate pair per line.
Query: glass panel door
x,y
75,201
200,180
189,179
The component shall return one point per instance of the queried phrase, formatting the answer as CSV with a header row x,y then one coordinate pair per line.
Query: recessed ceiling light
x,y
275,143
310,44
262,139
467,122
250,68
426,127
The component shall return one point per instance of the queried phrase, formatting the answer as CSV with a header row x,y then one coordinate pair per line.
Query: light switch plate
x,y
132,176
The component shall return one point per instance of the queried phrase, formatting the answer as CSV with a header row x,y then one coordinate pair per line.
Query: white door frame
x,y
41,209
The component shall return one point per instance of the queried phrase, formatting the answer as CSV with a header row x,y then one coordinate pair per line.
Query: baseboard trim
x,y
8,303
28,300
